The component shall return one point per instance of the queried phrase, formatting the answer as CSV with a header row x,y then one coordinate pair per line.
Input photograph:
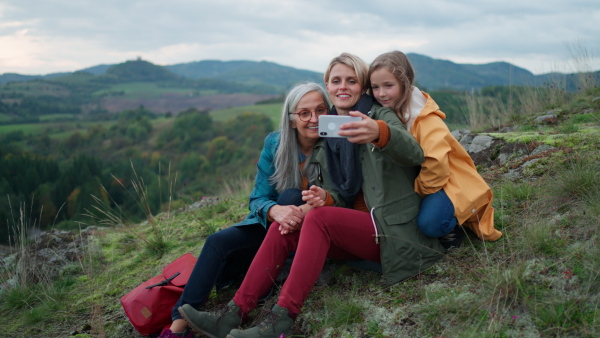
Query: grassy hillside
x,y
541,279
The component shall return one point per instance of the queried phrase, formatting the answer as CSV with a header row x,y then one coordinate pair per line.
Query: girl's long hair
x,y
287,173
399,65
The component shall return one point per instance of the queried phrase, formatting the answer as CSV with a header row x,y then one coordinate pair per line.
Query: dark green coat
x,y
388,187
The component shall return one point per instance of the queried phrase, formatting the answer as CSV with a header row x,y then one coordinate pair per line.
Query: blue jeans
x,y
226,255
436,216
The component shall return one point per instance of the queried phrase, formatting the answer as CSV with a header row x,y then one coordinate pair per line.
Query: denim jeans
x,y
436,216
226,255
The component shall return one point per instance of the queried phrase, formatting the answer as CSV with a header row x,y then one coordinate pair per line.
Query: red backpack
x,y
149,305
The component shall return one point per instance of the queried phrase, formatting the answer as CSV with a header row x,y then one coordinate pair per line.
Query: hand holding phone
x,y
329,125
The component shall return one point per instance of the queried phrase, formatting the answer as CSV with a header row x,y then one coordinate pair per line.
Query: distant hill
x,y
435,74
14,77
139,71
438,74
246,72
432,74
97,70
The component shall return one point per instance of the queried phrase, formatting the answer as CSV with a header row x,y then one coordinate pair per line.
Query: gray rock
x,y
42,260
530,162
480,143
542,149
507,129
503,158
460,133
512,151
466,140
546,119
512,174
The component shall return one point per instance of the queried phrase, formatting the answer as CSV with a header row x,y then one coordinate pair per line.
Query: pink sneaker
x,y
169,334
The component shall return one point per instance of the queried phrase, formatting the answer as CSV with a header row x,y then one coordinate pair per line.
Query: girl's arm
x,y
402,148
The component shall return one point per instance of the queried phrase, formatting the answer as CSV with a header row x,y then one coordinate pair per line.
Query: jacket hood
x,y
421,105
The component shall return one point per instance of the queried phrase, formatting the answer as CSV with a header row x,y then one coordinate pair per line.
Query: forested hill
x,y
432,74
246,72
435,74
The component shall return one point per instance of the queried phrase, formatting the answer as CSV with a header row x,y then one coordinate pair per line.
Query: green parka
x,y
388,187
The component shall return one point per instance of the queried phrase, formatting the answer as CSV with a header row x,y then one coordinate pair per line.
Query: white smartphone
x,y
329,125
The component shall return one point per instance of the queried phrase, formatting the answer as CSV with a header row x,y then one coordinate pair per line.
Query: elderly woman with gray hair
x,y
276,197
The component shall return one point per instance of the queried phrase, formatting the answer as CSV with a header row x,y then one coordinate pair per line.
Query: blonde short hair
x,y
357,64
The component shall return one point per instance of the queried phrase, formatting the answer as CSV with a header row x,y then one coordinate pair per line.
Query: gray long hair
x,y
287,169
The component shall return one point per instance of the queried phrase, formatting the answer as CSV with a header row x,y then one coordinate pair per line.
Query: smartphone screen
x,y
329,125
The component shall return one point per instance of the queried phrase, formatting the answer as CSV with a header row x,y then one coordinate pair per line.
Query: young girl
x,y
453,191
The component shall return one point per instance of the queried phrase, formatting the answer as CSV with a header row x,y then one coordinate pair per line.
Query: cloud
x,y
299,33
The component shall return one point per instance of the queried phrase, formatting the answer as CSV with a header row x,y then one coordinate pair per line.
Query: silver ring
x,y
292,222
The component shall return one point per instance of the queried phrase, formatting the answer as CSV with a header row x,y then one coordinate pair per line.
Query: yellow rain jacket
x,y
448,166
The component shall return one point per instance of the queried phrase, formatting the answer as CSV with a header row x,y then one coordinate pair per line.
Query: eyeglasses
x,y
305,115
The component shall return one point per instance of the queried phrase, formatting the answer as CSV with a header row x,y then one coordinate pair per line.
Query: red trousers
x,y
337,233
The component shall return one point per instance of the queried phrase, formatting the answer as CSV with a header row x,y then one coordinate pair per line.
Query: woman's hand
x,y
314,197
365,131
288,216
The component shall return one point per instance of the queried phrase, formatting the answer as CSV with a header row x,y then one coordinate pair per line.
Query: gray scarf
x,y
343,160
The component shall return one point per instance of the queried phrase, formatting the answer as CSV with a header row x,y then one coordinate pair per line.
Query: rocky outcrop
x,y
42,260
488,151
48,253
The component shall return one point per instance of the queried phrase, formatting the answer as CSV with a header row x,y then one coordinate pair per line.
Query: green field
x,y
4,118
273,111
27,128
140,90
55,117
57,130
61,130
34,88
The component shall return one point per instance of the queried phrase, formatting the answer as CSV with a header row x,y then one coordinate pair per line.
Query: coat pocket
x,y
402,210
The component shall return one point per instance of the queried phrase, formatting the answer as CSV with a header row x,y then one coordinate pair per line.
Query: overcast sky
x,y
46,36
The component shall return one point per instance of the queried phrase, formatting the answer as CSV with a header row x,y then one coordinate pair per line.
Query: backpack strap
x,y
164,282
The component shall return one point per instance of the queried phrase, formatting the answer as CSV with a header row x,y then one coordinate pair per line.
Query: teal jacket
x,y
264,195
388,187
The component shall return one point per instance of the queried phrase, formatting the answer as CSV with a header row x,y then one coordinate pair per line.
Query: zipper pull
x,y
319,176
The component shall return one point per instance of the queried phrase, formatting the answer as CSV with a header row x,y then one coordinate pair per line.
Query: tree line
x,y
57,181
